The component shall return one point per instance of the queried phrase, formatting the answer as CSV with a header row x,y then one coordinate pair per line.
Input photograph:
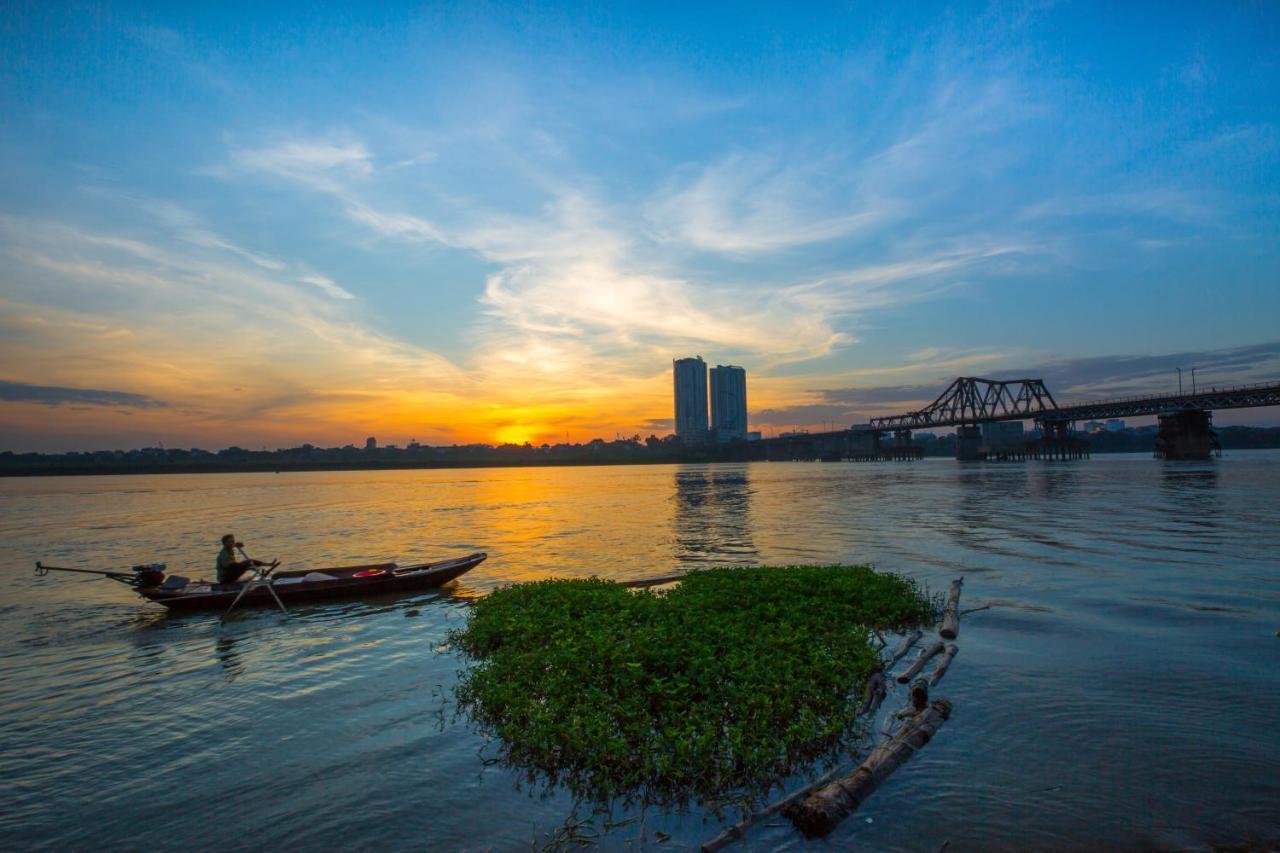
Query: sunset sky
x,y
260,224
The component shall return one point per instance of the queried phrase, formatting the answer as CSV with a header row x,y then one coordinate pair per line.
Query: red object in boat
x,y
369,573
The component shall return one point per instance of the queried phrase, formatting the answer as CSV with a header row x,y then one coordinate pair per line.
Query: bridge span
x,y
1185,422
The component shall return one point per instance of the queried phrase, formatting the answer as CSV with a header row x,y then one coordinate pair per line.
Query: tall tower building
x,y
690,377
729,402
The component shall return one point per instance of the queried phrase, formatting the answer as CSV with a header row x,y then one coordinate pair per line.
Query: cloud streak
x,y
53,395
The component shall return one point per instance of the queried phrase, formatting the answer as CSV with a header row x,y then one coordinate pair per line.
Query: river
x,y
1123,690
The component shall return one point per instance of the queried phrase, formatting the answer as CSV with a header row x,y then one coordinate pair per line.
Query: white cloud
x,y
327,285
751,204
321,163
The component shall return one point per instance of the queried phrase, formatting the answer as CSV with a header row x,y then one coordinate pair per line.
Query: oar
x,y
131,580
262,577
250,584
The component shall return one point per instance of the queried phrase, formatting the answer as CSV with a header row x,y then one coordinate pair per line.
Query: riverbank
x,y
623,452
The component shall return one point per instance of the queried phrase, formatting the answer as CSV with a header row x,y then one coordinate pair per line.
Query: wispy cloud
x,y
306,159
749,204
52,395
326,286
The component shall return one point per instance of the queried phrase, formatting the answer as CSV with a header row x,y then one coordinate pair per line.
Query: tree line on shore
x,y
595,452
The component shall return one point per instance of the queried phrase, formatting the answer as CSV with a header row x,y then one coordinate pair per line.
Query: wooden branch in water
x,y
874,693
651,581
941,669
914,669
907,642
738,830
820,812
919,694
951,613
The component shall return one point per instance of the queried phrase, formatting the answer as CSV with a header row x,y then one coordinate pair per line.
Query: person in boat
x,y
229,568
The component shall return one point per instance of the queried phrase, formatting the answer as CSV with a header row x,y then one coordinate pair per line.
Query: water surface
x,y
1123,691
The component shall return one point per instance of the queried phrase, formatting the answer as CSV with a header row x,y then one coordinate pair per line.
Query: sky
x,y
269,224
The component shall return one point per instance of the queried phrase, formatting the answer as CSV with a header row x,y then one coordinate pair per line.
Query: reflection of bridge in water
x,y
1185,423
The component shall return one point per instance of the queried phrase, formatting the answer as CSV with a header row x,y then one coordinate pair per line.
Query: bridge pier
x,y
1056,442
1187,434
969,444
864,445
903,450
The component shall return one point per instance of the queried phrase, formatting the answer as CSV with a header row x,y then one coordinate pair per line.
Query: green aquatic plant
x,y
714,691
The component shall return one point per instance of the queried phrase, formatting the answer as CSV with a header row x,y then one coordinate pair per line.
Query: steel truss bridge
x,y
971,400
1185,430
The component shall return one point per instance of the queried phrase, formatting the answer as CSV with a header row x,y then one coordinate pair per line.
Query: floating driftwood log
x,y
924,657
951,613
820,812
739,829
818,807
941,669
907,642
873,695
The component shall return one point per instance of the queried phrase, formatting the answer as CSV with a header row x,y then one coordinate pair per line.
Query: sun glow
x,y
515,434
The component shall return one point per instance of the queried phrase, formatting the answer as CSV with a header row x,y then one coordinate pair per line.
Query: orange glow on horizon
x,y
516,434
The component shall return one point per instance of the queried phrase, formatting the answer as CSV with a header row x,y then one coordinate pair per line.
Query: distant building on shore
x,y
690,379
371,443
728,402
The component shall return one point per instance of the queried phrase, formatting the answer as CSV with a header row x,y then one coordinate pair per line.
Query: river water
x,y
1123,690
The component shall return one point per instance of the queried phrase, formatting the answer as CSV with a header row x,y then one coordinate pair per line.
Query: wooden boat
x,y
179,593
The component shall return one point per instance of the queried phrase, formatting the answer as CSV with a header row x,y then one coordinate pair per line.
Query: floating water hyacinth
x,y
714,691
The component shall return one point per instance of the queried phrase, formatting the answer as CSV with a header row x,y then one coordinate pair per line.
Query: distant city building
x,y
690,379
728,402
754,435
1115,425
371,443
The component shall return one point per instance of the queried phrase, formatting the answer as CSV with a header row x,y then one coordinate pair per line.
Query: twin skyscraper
x,y
728,401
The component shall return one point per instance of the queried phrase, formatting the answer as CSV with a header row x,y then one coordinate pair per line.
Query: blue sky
x,y
274,224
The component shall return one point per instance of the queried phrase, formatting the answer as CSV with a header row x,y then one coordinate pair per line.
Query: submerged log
x,y
919,694
820,812
951,613
738,831
907,642
941,669
875,693
646,582
914,669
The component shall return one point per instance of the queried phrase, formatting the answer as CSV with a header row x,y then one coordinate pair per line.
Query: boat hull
x,y
331,585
